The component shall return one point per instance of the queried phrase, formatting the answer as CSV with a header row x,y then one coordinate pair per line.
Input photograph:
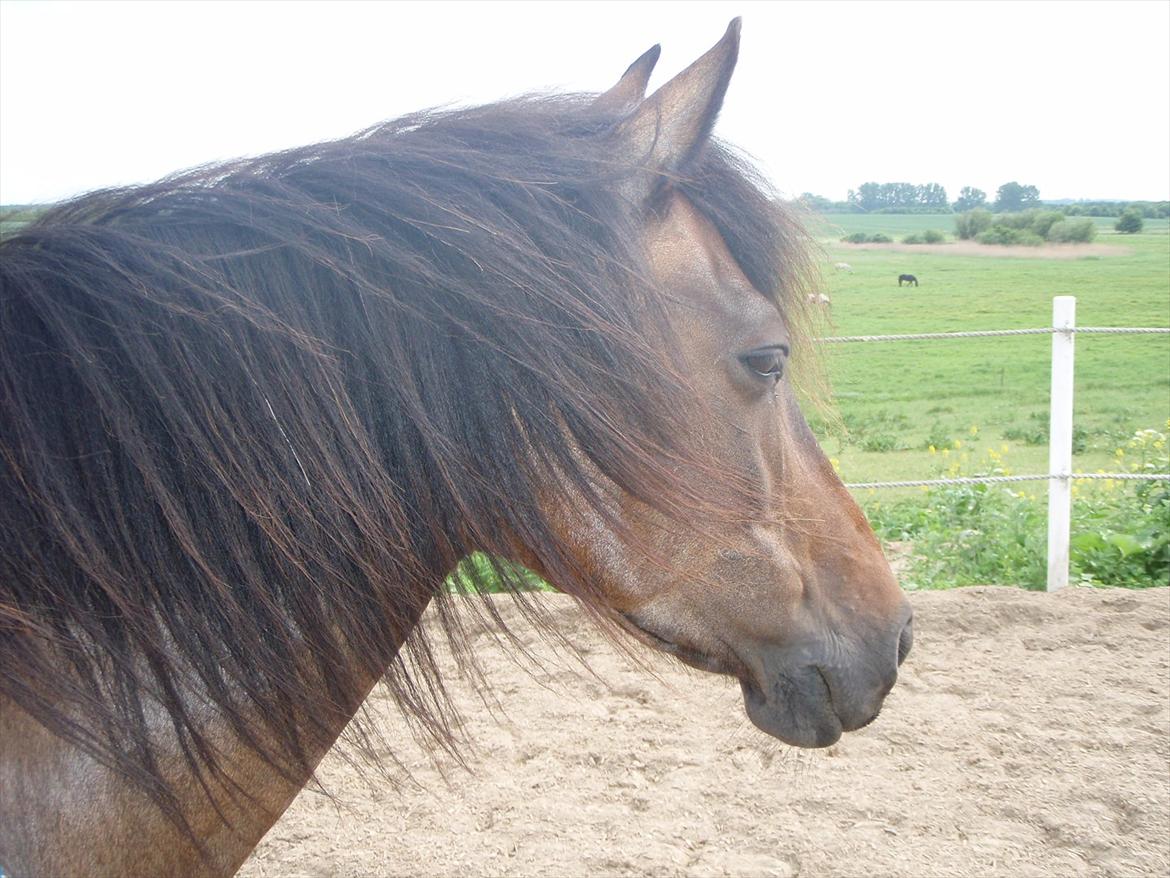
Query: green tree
x,y
971,223
1130,221
869,196
1044,220
815,202
969,199
932,195
898,197
1078,231
1014,196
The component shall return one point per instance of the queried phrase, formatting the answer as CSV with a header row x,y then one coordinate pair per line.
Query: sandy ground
x,y
1029,735
974,248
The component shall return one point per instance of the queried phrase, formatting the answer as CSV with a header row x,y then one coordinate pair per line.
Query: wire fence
x,y
1060,435
989,333
991,480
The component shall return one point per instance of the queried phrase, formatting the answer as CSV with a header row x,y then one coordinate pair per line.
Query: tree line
x,y
1011,197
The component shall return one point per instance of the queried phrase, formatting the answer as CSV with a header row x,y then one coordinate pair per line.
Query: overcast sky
x,y
1073,98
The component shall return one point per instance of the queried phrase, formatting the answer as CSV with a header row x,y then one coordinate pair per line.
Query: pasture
x,y
894,400
925,409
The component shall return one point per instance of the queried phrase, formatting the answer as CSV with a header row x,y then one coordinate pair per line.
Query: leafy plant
x,y
1073,231
967,535
1004,234
1015,196
881,442
483,574
1038,435
863,238
1130,221
969,199
1044,220
979,534
930,236
1124,534
968,225
938,437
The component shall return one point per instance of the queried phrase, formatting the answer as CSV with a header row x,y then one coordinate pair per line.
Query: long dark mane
x,y
251,416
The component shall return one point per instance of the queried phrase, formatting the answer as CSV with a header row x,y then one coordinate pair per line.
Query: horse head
x,y
795,598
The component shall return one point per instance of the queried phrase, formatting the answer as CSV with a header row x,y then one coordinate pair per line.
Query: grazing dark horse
x,y
253,415
907,278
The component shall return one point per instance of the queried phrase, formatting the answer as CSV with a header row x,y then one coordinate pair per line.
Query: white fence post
x,y
1060,434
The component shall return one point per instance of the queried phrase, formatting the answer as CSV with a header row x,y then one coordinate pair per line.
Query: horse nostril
x,y
905,641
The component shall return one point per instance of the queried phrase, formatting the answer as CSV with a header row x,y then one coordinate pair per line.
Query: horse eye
x,y
766,362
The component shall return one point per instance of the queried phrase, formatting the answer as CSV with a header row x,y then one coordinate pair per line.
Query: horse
x,y
253,415
907,278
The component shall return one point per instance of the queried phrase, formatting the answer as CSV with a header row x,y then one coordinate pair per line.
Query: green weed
x,y
487,575
1123,532
997,534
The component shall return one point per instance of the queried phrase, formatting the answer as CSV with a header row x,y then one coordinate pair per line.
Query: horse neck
x,y
63,813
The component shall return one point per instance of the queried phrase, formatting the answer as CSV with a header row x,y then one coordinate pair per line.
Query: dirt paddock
x,y
1029,735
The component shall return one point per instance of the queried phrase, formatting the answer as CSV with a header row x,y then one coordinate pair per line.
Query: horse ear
x,y
631,88
668,129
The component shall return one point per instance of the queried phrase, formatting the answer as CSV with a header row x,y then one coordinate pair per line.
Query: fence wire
x,y
990,333
992,480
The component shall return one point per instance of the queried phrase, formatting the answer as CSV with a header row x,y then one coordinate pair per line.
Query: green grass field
x,y
913,410
894,400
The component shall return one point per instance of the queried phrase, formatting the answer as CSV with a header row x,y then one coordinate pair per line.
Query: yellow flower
x,y
958,443
932,449
974,430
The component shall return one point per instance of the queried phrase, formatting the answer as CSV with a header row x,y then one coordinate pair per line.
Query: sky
x,y
1071,97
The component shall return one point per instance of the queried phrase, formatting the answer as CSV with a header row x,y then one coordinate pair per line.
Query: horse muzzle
x,y
809,694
